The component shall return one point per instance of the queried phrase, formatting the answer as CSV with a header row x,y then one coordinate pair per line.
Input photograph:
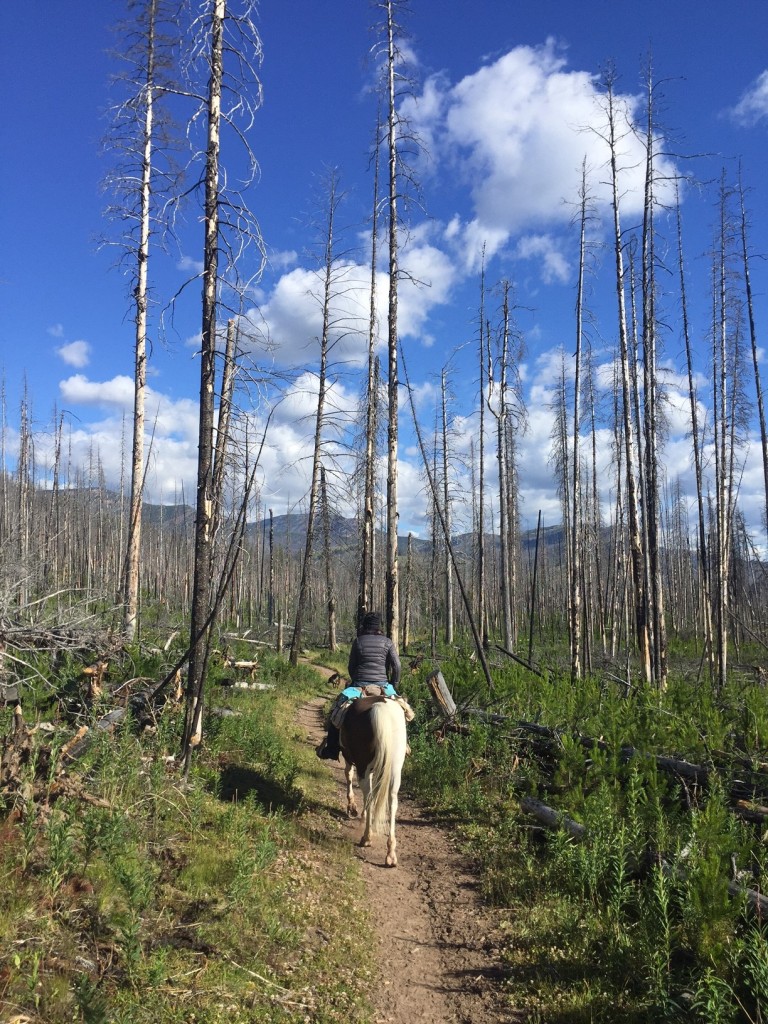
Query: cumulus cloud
x,y
281,260
171,440
79,390
76,353
517,132
165,417
753,105
545,250
292,312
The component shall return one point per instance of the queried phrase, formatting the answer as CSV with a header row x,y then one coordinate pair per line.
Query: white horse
x,y
373,743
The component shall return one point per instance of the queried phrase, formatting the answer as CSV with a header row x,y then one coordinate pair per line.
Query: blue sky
x,y
505,102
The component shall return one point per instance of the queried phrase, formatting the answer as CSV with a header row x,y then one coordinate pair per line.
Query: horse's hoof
x,y
391,862
364,842
352,812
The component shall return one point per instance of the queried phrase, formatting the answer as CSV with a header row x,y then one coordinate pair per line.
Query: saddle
x,y
340,708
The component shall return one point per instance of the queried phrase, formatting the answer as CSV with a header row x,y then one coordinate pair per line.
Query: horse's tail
x,y
390,740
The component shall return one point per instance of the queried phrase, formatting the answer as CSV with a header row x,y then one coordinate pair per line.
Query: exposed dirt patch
x,y
437,942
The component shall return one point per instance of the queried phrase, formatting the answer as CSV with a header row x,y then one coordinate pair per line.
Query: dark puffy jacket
x,y
373,659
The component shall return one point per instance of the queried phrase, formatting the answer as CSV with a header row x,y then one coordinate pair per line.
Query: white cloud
x,y
554,265
292,312
56,330
189,266
76,353
78,390
282,260
516,133
753,105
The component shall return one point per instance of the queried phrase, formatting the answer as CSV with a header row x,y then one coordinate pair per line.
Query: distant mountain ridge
x,y
290,530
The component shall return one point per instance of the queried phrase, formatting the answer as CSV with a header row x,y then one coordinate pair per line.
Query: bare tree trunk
x,y
330,597
447,513
575,603
652,411
408,594
703,546
635,536
52,529
755,348
392,584
501,417
325,341
24,493
597,533
365,594
436,506
201,588
222,433
271,592
131,573
482,621
720,404
564,474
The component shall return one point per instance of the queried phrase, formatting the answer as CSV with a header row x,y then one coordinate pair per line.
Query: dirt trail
x,y
436,941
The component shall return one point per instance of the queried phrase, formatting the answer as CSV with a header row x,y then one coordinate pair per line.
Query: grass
x,y
634,922
219,900
232,898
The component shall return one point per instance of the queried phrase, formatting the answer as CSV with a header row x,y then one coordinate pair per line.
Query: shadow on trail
x,y
236,783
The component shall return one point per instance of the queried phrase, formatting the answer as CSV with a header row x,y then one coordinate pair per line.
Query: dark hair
x,y
371,622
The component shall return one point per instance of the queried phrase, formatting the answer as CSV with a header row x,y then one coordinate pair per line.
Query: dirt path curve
x,y
437,941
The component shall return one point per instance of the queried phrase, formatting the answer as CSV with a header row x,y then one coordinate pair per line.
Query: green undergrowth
x,y
634,921
132,896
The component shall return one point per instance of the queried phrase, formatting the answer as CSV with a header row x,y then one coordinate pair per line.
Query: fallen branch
x,y
520,661
553,819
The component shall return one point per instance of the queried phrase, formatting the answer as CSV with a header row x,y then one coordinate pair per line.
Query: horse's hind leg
x,y
349,775
365,786
391,860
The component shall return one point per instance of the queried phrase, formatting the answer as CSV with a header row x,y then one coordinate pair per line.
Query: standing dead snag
x,y
331,325
141,141
229,229
441,695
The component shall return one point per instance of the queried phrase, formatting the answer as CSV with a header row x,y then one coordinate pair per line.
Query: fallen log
x,y
551,818
754,899
247,640
519,661
675,765
84,737
242,664
751,812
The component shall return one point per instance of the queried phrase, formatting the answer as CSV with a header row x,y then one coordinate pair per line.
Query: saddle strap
x,y
408,711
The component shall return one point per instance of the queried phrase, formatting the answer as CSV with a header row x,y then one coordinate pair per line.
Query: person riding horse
x,y
373,660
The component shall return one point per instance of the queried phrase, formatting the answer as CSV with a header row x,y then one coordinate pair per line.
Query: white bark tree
x,y
229,102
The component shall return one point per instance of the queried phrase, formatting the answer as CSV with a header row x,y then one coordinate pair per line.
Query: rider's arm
x,y
393,665
354,659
